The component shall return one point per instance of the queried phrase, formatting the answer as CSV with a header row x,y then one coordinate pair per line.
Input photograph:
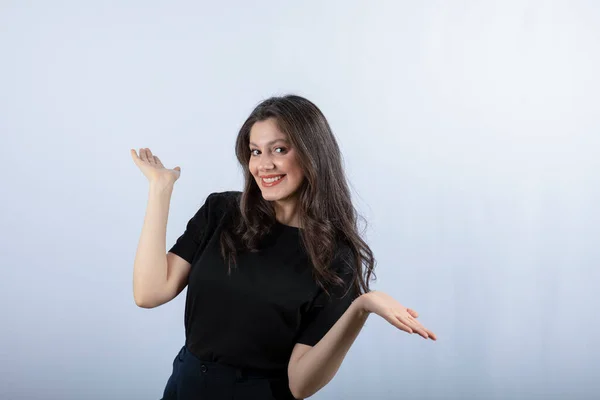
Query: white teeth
x,y
271,180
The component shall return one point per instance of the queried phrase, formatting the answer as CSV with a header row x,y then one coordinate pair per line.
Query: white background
x,y
470,134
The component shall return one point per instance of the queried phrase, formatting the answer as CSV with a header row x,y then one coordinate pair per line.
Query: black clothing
x,y
254,317
194,379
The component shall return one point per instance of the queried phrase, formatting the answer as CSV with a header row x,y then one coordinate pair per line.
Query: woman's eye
x,y
280,150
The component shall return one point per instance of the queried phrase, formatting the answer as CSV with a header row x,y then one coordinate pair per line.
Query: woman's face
x,y
273,162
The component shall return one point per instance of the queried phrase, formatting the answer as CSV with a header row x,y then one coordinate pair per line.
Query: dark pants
x,y
194,379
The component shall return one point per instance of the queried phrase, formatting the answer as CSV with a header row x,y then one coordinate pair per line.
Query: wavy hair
x,y
327,215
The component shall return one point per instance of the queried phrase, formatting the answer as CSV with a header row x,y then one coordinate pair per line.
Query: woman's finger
x,y
414,321
414,326
147,154
143,155
400,325
419,327
413,313
431,335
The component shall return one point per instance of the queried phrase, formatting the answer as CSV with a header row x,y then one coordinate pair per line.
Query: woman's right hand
x,y
152,167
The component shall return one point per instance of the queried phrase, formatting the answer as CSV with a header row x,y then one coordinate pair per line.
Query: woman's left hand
x,y
395,313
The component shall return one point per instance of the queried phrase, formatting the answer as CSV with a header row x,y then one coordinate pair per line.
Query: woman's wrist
x,y
361,305
160,186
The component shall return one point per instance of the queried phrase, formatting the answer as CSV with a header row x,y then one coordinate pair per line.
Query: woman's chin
x,y
270,196
274,195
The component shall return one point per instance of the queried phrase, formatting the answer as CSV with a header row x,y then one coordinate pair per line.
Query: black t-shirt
x,y
254,317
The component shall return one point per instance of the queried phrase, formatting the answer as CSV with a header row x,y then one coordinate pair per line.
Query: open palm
x,y
395,313
153,168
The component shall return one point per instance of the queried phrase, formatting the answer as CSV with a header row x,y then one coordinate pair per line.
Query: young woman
x,y
277,275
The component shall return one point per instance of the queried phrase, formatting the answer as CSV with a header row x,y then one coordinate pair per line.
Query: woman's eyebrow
x,y
271,142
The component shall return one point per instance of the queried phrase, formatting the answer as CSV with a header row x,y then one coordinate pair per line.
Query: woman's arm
x,y
157,277
310,370
150,265
319,364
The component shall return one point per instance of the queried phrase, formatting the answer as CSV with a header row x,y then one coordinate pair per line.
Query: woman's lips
x,y
271,184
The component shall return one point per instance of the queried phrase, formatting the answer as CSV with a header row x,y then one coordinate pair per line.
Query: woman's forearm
x,y
150,265
320,364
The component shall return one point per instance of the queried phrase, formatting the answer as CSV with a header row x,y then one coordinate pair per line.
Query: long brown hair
x,y
327,215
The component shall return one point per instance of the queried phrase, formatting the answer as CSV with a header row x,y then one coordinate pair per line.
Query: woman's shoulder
x,y
223,201
226,196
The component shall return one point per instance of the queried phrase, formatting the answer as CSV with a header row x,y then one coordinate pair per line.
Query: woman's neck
x,y
286,212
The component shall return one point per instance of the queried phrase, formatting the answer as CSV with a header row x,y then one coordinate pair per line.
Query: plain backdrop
x,y
470,135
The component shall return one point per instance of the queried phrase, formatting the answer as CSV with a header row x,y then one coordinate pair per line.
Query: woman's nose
x,y
266,163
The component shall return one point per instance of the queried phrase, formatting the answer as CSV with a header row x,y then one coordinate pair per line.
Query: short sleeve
x,y
201,226
326,310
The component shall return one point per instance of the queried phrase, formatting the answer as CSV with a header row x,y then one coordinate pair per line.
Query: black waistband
x,y
219,368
